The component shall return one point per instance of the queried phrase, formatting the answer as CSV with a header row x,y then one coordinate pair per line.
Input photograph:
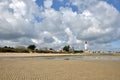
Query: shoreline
x,y
35,54
27,55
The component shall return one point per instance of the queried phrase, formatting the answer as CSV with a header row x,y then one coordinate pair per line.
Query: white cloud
x,y
96,22
47,3
72,38
19,8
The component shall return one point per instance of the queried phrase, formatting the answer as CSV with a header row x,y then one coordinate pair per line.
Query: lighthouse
x,y
86,45
86,51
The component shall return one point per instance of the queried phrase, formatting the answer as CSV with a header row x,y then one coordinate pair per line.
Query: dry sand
x,y
59,70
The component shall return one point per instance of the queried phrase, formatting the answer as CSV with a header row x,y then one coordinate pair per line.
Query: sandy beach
x,y
34,68
59,70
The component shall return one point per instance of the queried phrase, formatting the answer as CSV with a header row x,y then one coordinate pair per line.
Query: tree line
x,y
32,49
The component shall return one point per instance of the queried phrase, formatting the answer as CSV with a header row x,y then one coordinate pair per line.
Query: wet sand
x,y
59,70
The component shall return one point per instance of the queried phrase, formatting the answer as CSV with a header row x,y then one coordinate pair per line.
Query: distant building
x,y
71,49
60,51
21,47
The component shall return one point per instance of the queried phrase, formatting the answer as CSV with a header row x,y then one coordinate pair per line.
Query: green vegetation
x,y
14,50
66,48
32,49
78,51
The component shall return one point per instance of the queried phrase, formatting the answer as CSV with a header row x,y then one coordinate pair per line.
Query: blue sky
x,y
115,3
56,23
57,4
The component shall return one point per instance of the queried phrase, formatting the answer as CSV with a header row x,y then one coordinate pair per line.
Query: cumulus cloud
x,y
47,3
16,20
23,22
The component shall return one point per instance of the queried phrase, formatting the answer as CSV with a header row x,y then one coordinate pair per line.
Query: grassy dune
x,y
59,70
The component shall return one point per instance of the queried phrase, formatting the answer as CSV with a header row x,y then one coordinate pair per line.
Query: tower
x,y
86,45
86,51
